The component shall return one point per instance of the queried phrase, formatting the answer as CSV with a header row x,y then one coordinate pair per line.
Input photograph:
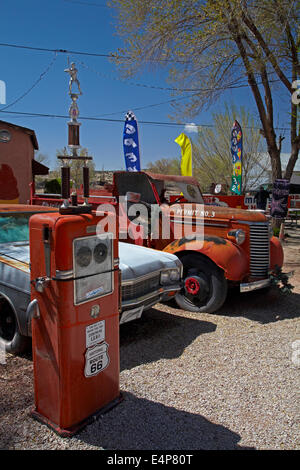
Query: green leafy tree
x,y
166,166
212,160
210,46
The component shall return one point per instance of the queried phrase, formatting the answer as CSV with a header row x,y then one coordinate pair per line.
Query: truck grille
x,y
139,288
259,250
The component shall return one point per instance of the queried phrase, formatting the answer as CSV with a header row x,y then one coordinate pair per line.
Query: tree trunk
x,y
292,161
275,163
274,153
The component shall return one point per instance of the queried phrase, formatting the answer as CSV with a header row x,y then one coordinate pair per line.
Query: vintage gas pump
x,y
75,329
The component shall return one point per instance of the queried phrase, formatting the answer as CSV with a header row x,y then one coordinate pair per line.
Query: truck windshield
x,y
14,228
137,183
175,190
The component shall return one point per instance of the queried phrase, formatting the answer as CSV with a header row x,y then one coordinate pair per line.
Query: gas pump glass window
x,y
93,267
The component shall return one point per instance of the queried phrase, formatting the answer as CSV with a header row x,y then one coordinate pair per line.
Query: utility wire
x,y
33,86
90,118
156,87
139,108
114,56
93,54
61,51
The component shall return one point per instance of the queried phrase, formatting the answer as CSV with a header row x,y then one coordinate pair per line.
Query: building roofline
x,y
27,131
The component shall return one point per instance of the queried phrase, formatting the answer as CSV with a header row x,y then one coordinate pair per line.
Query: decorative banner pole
x,y
237,155
74,146
131,143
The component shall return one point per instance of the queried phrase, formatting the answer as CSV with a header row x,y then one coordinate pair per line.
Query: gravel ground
x,y
190,381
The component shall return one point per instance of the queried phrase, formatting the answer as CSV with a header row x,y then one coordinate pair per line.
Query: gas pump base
x,y
77,427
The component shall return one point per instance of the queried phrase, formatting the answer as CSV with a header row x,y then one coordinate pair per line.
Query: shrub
x,y
53,186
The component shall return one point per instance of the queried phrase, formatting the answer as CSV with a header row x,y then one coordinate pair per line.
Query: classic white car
x,y
148,276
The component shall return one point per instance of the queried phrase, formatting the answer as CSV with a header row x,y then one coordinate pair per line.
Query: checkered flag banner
x,y
130,116
131,143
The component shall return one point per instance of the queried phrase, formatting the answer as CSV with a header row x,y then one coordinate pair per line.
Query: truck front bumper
x,y
247,287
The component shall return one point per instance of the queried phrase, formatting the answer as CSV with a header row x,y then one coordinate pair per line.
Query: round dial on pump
x,y
84,256
100,252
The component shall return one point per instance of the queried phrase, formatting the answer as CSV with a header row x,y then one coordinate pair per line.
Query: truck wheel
x,y
205,286
10,336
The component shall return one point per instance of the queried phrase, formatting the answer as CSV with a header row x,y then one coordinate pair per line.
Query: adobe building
x,y
17,164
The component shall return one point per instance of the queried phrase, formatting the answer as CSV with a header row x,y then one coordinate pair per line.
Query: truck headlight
x,y
238,235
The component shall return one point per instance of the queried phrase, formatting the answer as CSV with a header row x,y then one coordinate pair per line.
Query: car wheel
x,y
204,285
10,335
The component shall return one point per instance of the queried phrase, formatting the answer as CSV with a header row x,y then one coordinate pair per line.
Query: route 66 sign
x,y
96,359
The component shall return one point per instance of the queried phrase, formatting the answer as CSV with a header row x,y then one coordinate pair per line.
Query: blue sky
x,y
89,26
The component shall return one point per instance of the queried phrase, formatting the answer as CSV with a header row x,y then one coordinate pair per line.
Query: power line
x,y
156,87
123,111
195,91
90,118
116,56
59,51
93,54
33,86
139,108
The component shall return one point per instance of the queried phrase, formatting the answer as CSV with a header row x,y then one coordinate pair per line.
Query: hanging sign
x,y
280,195
131,143
237,154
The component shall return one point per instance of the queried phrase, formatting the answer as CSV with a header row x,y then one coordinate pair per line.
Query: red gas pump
x,y
75,277
75,329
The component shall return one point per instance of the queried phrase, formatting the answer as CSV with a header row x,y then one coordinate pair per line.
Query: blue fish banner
x,y
131,143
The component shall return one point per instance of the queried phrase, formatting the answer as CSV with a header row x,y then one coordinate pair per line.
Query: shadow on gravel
x,y
158,335
263,306
140,424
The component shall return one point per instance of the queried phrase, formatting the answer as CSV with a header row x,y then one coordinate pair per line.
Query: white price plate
x,y
95,333
96,359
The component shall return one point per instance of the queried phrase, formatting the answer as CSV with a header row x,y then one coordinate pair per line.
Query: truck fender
x,y
276,253
229,257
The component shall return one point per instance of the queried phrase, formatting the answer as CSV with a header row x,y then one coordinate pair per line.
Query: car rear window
x,y
14,228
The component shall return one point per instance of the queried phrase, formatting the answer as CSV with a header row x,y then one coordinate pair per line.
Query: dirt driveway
x,y
190,381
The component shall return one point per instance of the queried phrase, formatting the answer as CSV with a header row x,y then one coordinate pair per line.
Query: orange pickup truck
x,y
218,246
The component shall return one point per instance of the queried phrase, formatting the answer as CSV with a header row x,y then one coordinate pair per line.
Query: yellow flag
x,y
186,154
